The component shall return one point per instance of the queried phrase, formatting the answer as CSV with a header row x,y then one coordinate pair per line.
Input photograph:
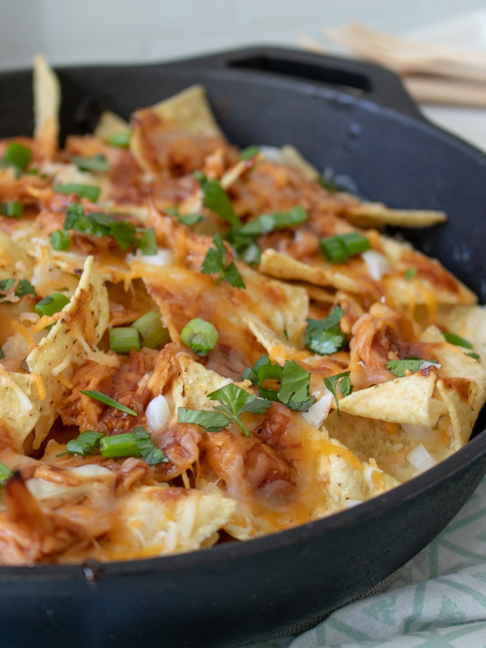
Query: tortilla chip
x,y
14,262
292,157
347,484
190,112
109,125
467,321
199,382
19,406
47,101
84,318
404,400
464,399
161,521
390,443
433,285
378,215
282,266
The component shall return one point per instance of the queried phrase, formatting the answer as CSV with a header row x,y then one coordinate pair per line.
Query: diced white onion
x,y
376,263
158,414
162,258
318,412
426,364
420,458
91,470
417,431
351,502
271,153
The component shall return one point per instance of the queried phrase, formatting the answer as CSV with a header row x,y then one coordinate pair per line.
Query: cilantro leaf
x,y
22,287
232,276
325,336
345,386
294,383
214,262
400,367
210,421
216,199
189,219
124,233
294,387
234,401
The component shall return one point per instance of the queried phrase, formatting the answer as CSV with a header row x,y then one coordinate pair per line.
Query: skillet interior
x,y
237,592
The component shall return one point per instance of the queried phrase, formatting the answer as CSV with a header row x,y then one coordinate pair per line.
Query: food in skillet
x,y
202,344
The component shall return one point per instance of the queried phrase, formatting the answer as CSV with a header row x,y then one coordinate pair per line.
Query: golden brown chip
x,y
404,400
109,125
378,215
47,100
80,327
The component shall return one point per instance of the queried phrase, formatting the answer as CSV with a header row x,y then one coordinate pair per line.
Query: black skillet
x,y
357,119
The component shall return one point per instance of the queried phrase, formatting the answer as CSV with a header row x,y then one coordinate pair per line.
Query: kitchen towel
x,y
437,600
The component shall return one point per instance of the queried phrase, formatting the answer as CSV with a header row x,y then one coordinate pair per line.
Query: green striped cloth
x,y
438,599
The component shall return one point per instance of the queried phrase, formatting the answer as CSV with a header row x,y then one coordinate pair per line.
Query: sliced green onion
x,y
334,250
86,443
12,209
124,339
249,152
457,340
355,243
51,305
200,336
150,452
410,273
17,155
338,249
121,445
24,287
94,163
103,398
148,242
150,328
91,192
60,240
2,354
268,222
473,355
124,233
5,474
122,140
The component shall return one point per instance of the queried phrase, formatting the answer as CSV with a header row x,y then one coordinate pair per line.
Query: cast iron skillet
x,y
358,119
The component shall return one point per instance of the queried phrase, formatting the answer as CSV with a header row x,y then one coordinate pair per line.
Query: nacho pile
x,y
201,344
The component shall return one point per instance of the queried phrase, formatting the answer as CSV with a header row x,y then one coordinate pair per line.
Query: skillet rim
x,y
230,551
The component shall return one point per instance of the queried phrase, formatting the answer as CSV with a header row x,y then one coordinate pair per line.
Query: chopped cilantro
x,y
216,199
342,380
214,263
233,401
325,336
22,287
400,367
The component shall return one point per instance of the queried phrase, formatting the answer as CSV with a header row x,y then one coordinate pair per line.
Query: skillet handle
x,y
348,76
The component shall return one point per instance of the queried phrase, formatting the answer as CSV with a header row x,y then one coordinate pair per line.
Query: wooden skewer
x,y
447,92
422,60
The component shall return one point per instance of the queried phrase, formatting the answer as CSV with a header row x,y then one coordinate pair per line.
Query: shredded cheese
x,y
39,383
64,381
63,365
23,330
